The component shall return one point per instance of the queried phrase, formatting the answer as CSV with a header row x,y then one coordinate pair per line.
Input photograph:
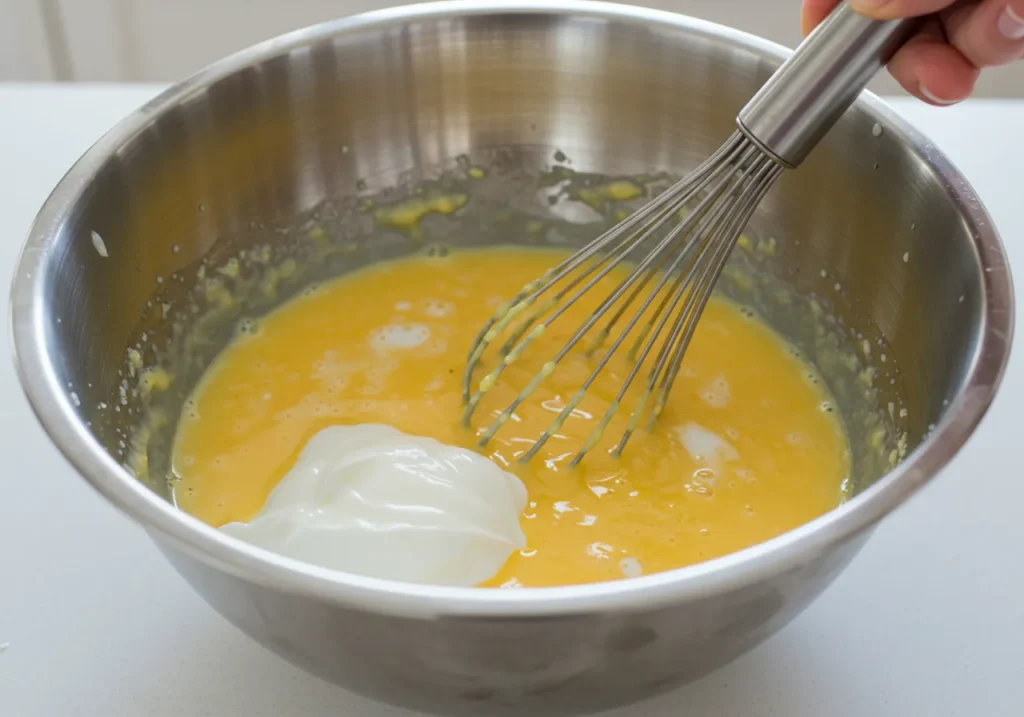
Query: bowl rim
x,y
53,406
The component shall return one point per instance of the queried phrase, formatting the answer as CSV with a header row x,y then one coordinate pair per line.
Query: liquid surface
x,y
373,501
747,447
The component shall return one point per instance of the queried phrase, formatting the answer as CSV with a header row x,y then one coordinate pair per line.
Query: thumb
x,y
891,9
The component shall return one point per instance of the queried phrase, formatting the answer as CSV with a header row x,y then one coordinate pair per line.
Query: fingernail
x,y
1010,24
937,100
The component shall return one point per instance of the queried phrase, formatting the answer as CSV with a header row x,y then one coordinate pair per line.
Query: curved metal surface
x,y
820,80
620,89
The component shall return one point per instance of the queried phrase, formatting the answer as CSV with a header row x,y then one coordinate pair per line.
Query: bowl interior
x,y
271,156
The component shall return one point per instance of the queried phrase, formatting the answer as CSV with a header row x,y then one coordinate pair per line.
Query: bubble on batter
x,y
631,567
705,445
564,506
718,327
333,371
403,306
716,394
376,378
438,309
437,251
746,474
705,475
435,347
249,327
399,336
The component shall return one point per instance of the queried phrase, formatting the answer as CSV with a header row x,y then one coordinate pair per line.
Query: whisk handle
x,y
810,92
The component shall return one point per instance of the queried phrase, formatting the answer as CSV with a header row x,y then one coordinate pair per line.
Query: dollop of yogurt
x,y
373,501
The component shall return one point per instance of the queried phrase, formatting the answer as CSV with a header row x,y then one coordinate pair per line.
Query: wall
x,y
24,41
164,40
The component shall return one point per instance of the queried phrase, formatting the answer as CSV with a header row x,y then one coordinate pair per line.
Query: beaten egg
x,y
748,445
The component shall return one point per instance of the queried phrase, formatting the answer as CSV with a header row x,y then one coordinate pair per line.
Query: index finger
x,y
891,9
814,11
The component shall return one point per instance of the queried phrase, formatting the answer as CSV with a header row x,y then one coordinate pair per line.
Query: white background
x,y
166,40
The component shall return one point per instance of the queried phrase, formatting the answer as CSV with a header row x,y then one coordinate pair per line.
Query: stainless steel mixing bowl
x,y
272,131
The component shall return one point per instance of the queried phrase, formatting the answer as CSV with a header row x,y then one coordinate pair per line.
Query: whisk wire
x,y
685,320
531,291
777,129
663,252
698,299
687,258
523,336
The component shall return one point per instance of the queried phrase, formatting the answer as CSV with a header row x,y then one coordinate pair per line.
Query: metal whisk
x,y
676,262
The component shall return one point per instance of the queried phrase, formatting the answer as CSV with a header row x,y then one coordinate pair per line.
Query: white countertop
x,y
928,621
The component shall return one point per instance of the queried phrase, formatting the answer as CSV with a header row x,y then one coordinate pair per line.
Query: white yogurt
x,y
373,501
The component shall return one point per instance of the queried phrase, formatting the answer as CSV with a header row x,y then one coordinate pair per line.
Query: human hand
x,y
942,62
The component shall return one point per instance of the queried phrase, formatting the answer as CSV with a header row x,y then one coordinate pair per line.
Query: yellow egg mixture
x,y
747,447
